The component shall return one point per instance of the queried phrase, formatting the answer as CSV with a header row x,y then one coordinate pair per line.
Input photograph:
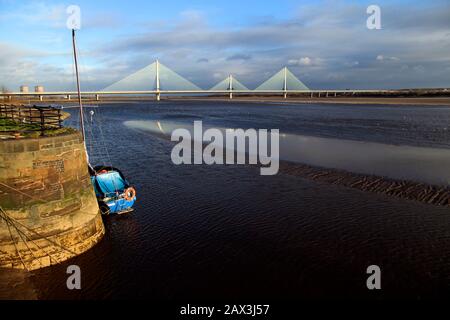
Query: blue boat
x,y
114,193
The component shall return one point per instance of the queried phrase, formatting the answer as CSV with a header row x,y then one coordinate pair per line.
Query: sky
x,y
326,44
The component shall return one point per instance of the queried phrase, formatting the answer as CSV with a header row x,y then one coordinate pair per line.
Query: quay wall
x,y
49,209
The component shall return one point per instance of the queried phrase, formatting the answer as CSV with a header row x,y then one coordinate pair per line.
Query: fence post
x,y
41,113
59,119
20,114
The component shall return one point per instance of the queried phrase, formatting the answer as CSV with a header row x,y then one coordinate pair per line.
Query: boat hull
x,y
116,206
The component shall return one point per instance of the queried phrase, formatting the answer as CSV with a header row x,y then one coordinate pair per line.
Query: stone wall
x,y
46,192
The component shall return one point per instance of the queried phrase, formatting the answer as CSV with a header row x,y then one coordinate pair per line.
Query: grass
x,y
10,127
51,132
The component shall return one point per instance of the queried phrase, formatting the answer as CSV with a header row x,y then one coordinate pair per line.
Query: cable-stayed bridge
x,y
157,79
154,77
160,79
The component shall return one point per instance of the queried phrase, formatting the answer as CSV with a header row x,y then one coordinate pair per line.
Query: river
x,y
226,232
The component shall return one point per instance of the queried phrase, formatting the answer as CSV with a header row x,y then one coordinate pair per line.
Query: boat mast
x,y
78,84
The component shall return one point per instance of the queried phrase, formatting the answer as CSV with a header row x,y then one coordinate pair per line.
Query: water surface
x,y
401,162
226,232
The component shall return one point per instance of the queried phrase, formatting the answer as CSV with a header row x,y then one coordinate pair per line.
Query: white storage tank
x,y
39,89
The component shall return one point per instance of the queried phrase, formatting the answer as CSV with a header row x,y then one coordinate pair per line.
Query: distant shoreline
x,y
428,101
417,101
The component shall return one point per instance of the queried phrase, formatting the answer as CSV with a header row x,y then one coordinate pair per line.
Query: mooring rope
x,y
36,233
21,234
12,240
26,243
38,198
21,192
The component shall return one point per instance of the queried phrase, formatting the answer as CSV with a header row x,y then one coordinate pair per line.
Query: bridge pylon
x,y
283,81
230,85
158,93
155,78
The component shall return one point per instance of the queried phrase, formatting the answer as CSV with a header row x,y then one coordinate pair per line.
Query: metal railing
x,y
22,119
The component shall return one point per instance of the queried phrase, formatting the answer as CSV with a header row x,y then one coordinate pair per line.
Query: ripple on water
x,y
227,232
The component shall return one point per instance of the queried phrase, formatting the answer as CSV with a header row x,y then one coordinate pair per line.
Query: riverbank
x,y
425,101
352,100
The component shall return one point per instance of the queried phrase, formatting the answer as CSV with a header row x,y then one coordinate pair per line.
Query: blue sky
x,y
325,43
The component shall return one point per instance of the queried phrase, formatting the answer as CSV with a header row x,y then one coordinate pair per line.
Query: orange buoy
x,y
130,193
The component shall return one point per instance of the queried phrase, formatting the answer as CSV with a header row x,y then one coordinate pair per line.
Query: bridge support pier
x,y
326,95
40,98
312,95
285,95
68,97
158,96
231,95
319,94
335,94
97,97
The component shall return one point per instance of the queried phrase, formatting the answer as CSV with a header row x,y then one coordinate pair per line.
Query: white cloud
x,y
350,55
383,58
38,13
305,61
